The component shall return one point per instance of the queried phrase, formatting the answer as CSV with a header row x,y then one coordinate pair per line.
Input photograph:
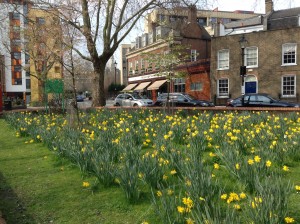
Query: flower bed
x,y
198,168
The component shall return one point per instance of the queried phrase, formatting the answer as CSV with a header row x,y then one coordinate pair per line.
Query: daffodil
x,y
257,159
243,195
216,166
85,184
224,196
180,209
159,193
189,221
250,161
285,168
173,172
289,220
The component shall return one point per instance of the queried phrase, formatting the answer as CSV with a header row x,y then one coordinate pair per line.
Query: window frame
x,y
196,86
225,51
283,55
193,55
294,86
226,95
179,85
248,58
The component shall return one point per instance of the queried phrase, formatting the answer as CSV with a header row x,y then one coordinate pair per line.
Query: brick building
x,y
192,28
144,76
270,56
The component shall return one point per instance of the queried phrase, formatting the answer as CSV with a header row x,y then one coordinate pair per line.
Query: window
x,y
136,65
40,20
202,21
179,85
196,86
16,16
16,55
17,68
289,86
289,54
223,59
223,88
251,57
143,63
27,83
193,55
27,58
57,69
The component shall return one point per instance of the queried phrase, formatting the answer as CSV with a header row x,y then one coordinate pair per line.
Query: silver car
x,y
132,100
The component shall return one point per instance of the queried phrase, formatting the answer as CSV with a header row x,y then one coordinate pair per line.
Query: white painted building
x,y
13,79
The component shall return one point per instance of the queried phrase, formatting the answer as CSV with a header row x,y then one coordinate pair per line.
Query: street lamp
x,y
243,41
115,73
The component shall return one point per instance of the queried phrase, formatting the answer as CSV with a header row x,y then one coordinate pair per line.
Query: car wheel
x,y
135,105
117,105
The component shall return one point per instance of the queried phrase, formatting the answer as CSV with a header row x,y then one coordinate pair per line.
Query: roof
x,y
286,18
253,21
285,13
281,19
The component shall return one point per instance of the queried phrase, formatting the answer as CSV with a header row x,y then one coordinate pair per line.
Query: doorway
x,y
251,84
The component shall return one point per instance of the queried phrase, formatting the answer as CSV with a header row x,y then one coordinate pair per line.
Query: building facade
x,y
44,50
206,18
12,55
123,67
191,29
147,78
269,56
25,43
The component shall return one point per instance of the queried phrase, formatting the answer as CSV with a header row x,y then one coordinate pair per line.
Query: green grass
x,y
38,187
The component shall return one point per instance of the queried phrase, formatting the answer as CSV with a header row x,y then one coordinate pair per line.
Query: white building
x,y
12,54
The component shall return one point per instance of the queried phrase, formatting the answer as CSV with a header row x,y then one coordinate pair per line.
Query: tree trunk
x,y
99,98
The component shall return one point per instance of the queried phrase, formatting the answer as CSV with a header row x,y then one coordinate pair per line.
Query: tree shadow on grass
x,y
12,208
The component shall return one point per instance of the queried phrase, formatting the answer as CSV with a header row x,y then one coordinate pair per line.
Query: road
x,y
88,103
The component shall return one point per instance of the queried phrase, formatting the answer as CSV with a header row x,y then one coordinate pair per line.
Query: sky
x,y
258,6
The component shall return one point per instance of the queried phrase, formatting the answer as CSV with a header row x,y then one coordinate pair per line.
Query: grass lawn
x,y
200,168
37,187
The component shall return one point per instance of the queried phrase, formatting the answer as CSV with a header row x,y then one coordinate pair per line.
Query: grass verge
x,y
38,187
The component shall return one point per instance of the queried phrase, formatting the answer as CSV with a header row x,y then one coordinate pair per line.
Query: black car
x,y
258,100
181,100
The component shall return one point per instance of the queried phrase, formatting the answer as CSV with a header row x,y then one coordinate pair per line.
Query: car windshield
x,y
136,96
189,97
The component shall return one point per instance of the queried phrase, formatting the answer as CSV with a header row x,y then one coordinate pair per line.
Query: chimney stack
x,y
269,6
192,14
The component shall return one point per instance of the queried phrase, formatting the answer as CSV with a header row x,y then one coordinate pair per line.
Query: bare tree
x,y
103,25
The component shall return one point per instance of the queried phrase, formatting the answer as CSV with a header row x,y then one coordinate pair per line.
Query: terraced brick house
x,y
188,27
267,63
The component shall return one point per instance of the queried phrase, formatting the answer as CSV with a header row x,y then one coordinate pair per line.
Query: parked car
x,y
258,100
132,100
181,100
79,98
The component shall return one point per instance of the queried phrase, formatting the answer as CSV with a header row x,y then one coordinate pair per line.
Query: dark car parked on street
x,y
181,100
258,100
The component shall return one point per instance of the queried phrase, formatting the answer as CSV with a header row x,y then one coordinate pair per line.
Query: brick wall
x,y
269,71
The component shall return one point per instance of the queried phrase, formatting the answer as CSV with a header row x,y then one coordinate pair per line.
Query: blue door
x,y
250,87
